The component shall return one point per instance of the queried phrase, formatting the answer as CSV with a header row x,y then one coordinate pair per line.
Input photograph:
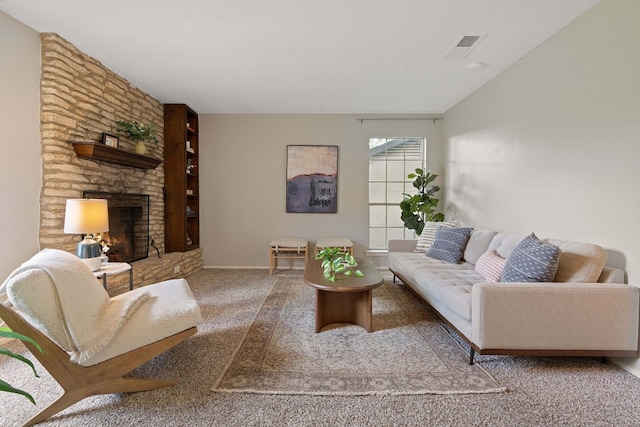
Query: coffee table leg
x,y
344,307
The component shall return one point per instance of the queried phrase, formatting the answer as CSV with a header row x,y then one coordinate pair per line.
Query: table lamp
x,y
87,216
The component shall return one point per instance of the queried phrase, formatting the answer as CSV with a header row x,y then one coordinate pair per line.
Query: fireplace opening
x,y
128,235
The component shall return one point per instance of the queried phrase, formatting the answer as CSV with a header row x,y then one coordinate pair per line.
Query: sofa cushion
x,y
406,263
452,287
504,243
579,262
478,244
425,240
449,244
531,261
490,266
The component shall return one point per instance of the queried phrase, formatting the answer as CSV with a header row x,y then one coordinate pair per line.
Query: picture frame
x,y
312,179
110,140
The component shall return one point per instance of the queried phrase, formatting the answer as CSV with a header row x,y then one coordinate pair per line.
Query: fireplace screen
x,y
128,235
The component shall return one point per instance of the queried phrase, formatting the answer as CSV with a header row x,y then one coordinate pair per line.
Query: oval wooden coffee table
x,y
348,299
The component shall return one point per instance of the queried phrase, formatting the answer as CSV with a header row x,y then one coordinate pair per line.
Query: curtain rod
x,y
362,119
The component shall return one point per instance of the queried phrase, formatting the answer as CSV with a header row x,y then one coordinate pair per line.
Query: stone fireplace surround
x,y
80,99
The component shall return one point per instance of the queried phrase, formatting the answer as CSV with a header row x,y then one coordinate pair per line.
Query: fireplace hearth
x,y
128,234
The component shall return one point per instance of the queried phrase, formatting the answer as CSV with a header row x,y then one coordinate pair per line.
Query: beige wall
x,y
20,169
243,173
552,144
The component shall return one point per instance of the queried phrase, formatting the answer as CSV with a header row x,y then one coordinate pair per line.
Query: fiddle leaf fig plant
x,y
421,207
335,261
4,386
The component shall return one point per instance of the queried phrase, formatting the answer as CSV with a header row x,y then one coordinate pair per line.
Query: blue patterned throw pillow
x,y
449,244
531,261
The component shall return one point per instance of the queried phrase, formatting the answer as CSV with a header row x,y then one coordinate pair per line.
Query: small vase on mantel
x,y
140,148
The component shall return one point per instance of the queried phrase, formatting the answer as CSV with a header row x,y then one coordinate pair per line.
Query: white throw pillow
x,y
425,240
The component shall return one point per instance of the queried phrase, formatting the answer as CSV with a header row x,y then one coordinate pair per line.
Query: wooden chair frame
x,y
80,381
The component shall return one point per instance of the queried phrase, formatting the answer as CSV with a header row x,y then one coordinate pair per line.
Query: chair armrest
x,y
554,316
402,245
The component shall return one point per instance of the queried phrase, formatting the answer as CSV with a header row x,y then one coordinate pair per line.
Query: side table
x,y
111,268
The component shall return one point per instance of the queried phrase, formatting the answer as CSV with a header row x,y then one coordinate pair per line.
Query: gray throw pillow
x,y
531,261
449,244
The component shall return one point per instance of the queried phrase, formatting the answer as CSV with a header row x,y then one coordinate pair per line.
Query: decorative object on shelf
x,y
8,333
190,166
110,140
140,148
336,261
312,179
139,133
420,208
88,217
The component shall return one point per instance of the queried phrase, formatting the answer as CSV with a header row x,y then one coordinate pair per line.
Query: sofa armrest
x,y
402,245
553,316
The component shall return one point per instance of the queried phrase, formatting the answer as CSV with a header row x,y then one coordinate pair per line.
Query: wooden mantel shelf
x,y
105,153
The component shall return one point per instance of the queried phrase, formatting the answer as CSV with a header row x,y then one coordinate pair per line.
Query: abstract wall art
x,y
312,178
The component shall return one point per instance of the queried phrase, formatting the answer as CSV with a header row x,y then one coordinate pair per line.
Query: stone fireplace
x,y
81,99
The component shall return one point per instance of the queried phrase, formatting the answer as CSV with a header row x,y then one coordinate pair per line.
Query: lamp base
x,y
89,251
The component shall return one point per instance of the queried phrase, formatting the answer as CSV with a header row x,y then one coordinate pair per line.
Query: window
x,y
390,161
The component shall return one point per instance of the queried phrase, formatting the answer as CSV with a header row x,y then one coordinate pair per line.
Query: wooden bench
x,y
287,248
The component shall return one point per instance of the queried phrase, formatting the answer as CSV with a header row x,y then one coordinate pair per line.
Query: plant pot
x,y
140,148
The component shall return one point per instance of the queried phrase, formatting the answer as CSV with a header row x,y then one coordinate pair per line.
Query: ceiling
x,y
302,56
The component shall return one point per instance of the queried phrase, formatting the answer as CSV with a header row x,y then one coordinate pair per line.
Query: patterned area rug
x,y
407,353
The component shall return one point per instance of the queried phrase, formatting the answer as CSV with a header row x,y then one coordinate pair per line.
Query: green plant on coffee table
x,y
4,386
421,207
335,261
136,131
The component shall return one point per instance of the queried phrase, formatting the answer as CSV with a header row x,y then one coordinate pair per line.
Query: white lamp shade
x,y
86,216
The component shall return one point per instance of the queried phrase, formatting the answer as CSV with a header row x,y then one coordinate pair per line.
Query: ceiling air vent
x,y
463,46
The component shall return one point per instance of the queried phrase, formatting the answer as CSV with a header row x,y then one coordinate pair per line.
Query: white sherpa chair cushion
x,y
57,293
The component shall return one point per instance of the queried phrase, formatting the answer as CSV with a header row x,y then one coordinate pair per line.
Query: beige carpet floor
x,y
542,391
408,352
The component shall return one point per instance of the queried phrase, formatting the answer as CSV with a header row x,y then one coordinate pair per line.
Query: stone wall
x,y
154,269
80,99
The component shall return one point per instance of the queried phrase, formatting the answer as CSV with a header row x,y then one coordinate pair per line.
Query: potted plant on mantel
x,y
139,133
419,208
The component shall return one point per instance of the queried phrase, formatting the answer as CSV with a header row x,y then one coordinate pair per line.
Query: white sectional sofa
x,y
587,310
